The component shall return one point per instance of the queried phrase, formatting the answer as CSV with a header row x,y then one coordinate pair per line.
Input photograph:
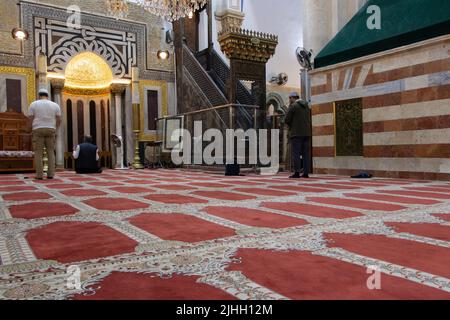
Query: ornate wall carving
x,y
122,43
60,43
193,98
349,128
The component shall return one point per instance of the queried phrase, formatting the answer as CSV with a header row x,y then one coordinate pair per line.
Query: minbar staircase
x,y
201,80
220,73
211,86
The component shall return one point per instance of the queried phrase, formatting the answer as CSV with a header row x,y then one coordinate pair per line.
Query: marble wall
x,y
406,111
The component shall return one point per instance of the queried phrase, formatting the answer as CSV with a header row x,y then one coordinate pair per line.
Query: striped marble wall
x,y
406,112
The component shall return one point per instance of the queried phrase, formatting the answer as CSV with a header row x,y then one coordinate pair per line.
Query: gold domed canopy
x,y
88,71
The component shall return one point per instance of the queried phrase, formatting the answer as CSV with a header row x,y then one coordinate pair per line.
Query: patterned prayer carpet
x,y
173,234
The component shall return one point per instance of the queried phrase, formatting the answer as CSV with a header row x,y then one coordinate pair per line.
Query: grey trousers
x,y
301,147
44,138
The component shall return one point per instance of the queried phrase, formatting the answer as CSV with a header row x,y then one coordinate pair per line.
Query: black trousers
x,y
301,147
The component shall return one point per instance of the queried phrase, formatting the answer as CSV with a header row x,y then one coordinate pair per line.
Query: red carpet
x,y
24,196
241,182
174,187
179,227
126,229
411,254
143,182
432,195
302,276
255,218
38,210
383,197
151,287
430,230
83,193
210,185
334,186
301,189
63,186
265,192
105,184
445,186
13,189
74,241
439,190
363,183
312,210
222,195
174,198
115,204
365,205
46,182
131,190
82,179
12,183
445,217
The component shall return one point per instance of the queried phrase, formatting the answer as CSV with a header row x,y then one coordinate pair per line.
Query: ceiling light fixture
x,y
172,10
20,34
117,8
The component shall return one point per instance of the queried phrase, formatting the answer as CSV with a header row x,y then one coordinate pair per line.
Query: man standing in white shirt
x,y
46,118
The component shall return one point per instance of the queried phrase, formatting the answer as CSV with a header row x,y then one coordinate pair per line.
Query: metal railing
x,y
222,118
202,79
220,73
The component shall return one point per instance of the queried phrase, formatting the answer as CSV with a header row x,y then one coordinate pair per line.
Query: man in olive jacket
x,y
299,121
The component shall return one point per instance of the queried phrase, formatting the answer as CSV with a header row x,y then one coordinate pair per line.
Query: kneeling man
x,y
86,157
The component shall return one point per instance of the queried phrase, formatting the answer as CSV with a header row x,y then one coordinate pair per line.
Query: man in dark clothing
x,y
299,121
86,157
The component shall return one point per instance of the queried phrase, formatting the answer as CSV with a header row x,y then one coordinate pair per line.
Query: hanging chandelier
x,y
117,8
172,10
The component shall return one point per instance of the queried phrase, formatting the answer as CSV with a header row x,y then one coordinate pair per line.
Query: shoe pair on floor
x,y
298,176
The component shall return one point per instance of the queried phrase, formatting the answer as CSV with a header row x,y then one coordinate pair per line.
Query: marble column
x,y
228,14
42,71
117,91
318,25
135,100
57,86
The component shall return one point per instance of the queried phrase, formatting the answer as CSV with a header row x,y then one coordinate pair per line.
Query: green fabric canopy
x,y
402,22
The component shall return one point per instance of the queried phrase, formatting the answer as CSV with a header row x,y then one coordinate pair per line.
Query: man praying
x,y
86,157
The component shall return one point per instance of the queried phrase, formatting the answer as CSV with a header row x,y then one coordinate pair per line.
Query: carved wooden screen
x,y
349,128
252,73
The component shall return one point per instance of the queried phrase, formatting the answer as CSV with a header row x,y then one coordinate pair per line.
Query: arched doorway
x,y
86,101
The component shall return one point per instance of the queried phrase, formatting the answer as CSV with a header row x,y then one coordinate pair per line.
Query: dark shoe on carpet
x,y
362,175
305,176
50,178
295,176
